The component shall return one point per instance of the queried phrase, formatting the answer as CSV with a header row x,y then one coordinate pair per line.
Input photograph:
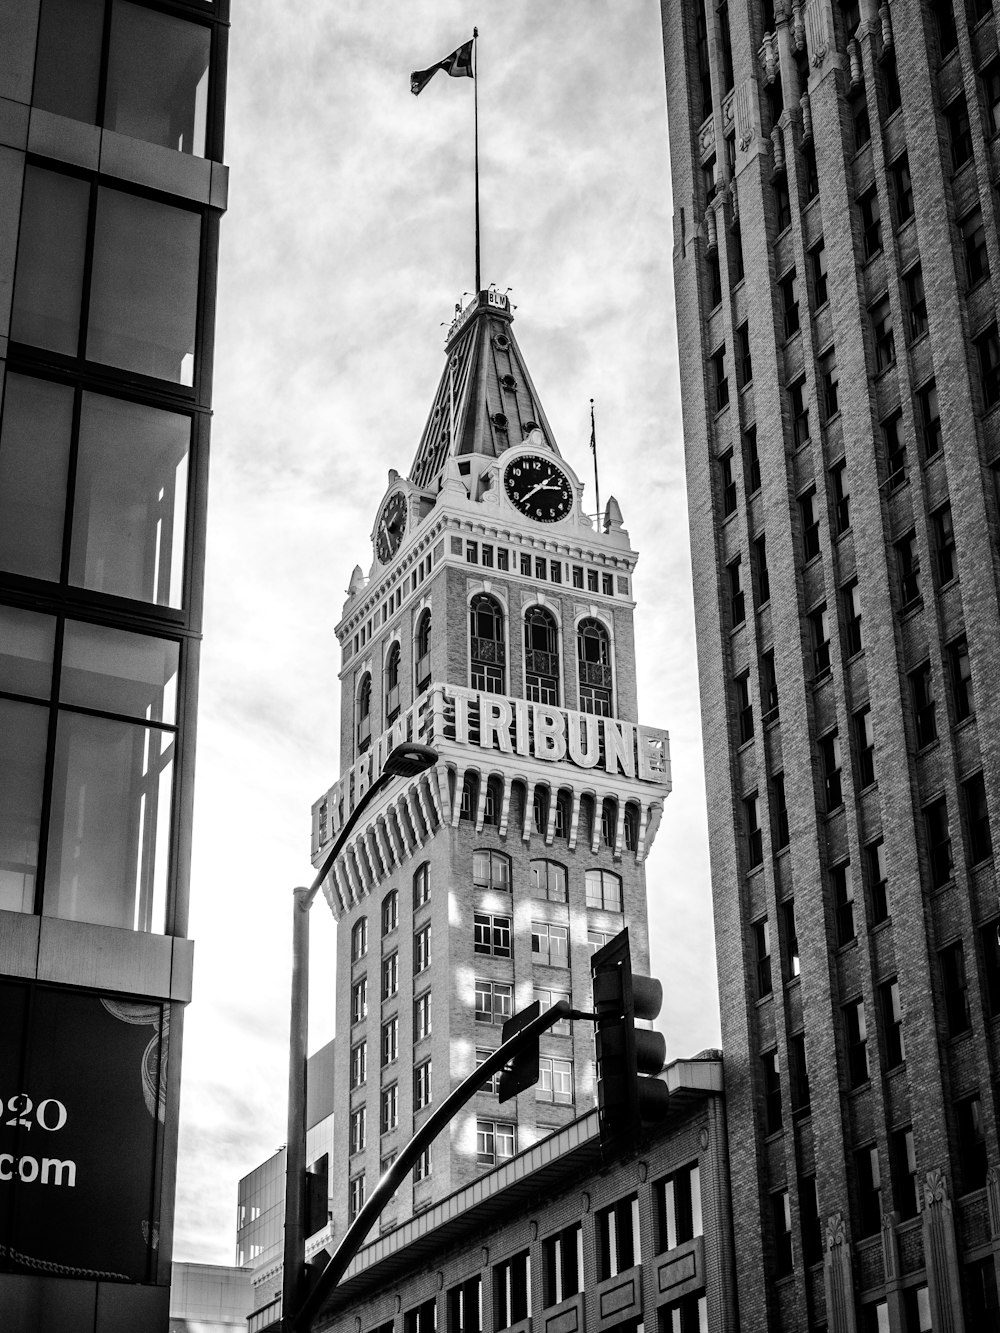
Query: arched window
x,y
631,827
548,880
422,885
541,656
593,652
491,870
365,712
563,812
392,684
540,809
470,796
488,652
390,911
423,653
609,821
359,939
604,890
494,799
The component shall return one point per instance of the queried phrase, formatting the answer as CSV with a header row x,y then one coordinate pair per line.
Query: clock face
x,y
538,487
391,526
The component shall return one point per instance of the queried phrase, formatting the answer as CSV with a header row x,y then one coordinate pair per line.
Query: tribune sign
x,y
82,1088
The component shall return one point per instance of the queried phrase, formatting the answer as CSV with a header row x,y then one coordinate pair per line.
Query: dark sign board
x,y
82,1088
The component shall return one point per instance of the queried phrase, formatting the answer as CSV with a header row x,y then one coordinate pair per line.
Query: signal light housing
x,y
630,1097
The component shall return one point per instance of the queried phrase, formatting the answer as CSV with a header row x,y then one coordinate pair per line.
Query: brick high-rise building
x,y
495,623
111,193
836,262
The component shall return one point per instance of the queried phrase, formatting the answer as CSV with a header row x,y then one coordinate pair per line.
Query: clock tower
x,y
494,622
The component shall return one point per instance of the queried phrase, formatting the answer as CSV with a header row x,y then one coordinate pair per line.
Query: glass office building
x,y
111,194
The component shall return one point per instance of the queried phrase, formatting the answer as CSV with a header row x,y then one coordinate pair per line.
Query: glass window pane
x,y
109,823
48,281
119,672
34,455
130,500
68,62
22,767
26,646
158,78
144,287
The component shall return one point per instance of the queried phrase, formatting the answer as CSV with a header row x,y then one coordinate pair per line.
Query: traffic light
x,y
523,1070
628,1099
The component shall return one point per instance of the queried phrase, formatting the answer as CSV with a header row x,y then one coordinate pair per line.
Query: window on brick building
x,y
929,418
819,622
751,818
728,483
389,1108
982,1300
677,1205
493,1001
356,1195
841,497
465,1307
421,1085
903,1165
720,378
850,597
549,944
917,1301
960,671
809,1219
977,259
868,1186
938,835
555,1080
743,356
422,949
955,988
617,1235
864,746
491,870
780,811
817,264
359,1000
908,569
861,122
916,302
856,1036
762,957
768,687
842,884
737,599
959,131
990,78
809,175
763,576
924,704
782,203
390,975
829,385
744,706
359,1064
883,337
714,279
512,1289
895,450
902,188
736,254
752,460
830,753
988,357
892,1023
492,934
603,889
421,885
781,1221
809,519
562,1265
977,819
789,303
800,412
704,74
989,950
389,1045
878,882
359,939
944,17
390,911
790,938
771,1077
944,544
798,1074
358,1129
891,95
548,880
972,1161
871,223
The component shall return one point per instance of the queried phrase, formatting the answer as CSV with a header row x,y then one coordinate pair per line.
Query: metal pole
x,y
475,99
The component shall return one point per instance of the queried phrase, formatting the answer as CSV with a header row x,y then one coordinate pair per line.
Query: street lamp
x,y
405,761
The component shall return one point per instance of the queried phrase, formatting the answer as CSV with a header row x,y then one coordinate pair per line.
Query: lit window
x,y
496,1140
555,1080
494,1001
549,944
604,890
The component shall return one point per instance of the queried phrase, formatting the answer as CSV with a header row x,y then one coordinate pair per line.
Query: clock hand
x,y
542,486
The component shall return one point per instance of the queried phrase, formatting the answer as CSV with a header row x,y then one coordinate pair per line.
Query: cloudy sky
x,y
348,241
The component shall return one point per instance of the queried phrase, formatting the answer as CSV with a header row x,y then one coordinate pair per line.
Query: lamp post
x,y
405,761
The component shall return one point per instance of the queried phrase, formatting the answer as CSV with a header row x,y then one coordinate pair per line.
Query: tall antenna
x,y
475,98
593,450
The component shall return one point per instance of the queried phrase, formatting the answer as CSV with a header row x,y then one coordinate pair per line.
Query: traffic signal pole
x,y
425,1135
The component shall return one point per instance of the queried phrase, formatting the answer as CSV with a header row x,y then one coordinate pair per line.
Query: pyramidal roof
x,y
485,401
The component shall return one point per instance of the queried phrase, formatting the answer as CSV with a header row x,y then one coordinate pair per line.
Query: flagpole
x,y
475,99
593,450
